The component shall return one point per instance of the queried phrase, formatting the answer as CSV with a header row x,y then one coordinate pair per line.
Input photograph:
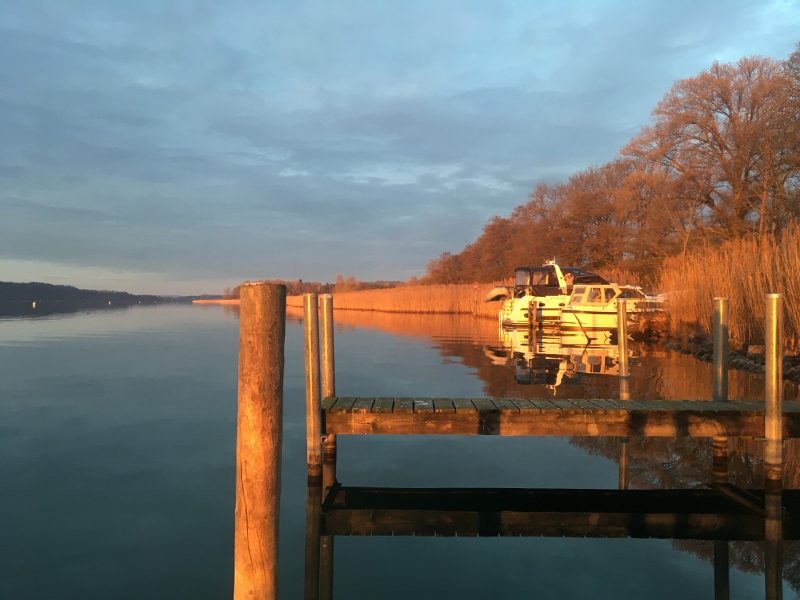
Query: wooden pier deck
x,y
579,417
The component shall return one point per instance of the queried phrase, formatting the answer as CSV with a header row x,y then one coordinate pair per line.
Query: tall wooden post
x,y
259,433
328,445
721,351
313,405
328,390
773,393
622,336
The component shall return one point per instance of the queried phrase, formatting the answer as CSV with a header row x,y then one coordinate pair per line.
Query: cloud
x,y
304,139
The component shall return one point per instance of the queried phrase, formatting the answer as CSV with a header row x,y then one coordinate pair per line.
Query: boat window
x,y
523,276
594,295
577,294
609,295
629,293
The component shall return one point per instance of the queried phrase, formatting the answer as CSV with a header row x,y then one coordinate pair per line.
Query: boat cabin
x,y
602,295
544,280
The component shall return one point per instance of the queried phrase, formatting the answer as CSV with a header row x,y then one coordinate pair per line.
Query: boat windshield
x,y
631,293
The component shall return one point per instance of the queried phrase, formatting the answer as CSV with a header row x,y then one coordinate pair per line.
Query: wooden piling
x,y
622,336
720,339
259,435
328,445
773,393
720,389
328,389
313,402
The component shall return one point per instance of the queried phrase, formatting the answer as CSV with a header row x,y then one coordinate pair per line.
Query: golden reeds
x,y
743,271
428,299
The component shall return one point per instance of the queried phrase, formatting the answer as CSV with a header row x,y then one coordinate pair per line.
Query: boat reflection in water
x,y
553,359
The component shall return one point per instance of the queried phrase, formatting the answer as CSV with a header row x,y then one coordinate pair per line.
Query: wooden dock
x,y
579,417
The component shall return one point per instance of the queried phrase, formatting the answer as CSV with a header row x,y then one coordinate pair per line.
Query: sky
x,y
183,146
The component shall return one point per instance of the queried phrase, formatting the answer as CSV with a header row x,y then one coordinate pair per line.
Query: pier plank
x,y
443,405
464,406
485,405
383,405
363,405
328,402
403,405
505,405
343,405
423,405
545,405
525,405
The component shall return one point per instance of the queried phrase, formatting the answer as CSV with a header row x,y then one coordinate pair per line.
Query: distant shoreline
x,y
229,301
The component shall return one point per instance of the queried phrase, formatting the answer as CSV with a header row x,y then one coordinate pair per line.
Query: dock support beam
x,y
721,351
328,390
328,445
313,403
622,336
259,433
773,393
773,450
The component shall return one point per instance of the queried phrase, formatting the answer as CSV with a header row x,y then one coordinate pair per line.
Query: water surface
x,y
117,461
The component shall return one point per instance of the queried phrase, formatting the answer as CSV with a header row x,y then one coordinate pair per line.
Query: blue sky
x,y
179,146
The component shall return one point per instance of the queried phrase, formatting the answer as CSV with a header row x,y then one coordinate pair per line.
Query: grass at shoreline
x,y
744,271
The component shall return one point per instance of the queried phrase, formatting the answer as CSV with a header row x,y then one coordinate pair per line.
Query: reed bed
x,y
744,271
418,299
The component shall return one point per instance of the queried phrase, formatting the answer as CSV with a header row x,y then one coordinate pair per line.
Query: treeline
x,y
720,162
297,287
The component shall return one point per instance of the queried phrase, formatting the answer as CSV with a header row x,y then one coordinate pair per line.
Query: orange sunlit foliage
x,y
720,162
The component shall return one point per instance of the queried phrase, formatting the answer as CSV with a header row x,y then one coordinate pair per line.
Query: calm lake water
x,y
117,461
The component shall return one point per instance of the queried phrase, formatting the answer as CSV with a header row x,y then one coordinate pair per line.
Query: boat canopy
x,y
543,281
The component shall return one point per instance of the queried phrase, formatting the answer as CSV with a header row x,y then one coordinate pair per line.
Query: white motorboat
x,y
539,294
552,296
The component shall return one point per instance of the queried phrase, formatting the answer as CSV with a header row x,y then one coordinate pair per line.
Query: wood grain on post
x,y
773,392
328,389
313,401
622,336
721,350
259,434
328,444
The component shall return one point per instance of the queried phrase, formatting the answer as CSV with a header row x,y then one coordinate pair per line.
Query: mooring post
x,y
773,393
313,405
773,450
622,336
720,387
259,433
720,339
328,390
328,446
